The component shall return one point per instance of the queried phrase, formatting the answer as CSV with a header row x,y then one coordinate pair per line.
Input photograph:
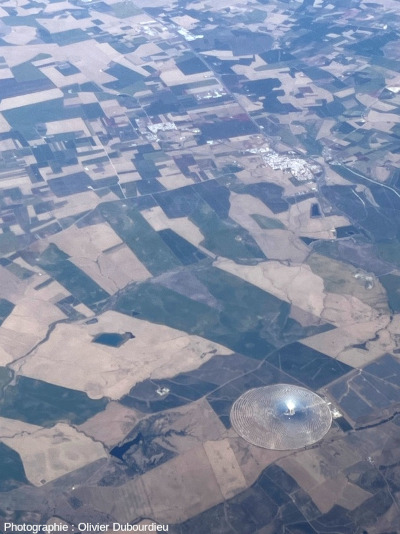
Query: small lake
x,y
112,339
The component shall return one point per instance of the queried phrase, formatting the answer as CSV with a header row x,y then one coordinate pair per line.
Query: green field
x,y
224,237
44,404
55,262
268,223
246,320
140,237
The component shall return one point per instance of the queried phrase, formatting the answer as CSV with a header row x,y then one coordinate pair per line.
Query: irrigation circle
x,y
281,417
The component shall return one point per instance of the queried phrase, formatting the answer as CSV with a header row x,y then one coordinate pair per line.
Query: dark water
x,y
112,339
119,452
315,211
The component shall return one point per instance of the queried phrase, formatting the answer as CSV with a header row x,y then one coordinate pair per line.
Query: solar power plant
x,y
281,417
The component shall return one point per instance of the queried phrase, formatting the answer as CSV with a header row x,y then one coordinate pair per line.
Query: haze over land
x,y
198,199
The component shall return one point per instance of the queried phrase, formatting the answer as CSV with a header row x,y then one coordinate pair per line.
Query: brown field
x,y
49,453
296,284
111,425
157,351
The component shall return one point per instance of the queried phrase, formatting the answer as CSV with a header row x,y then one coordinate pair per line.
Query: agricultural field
x,y
198,199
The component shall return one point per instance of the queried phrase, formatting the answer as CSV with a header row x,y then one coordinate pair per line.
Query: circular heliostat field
x,y
281,417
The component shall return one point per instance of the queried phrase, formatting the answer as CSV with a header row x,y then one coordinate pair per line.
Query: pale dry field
x,y
32,316
226,468
339,343
98,171
61,23
341,278
125,170
59,6
49,173
111,425
250,70
142,51
67,125
276,244
384,340
304,318
5,357
89,98
338,491
343,310
171,179
181,225
158,493
70,359
299,286
281,245
113,270
11,427
185,435
191,471
299,220
101,254
21,36
275,21
257,170
84,310
4,126
14,344
122,266
88,241
19,54
52,292
79,203
247,104
48,453
21,181
60,80
295,284
325,129
174,76
186,21
333,177
122,60
184,432
11,287
33,98
253,460
323,480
